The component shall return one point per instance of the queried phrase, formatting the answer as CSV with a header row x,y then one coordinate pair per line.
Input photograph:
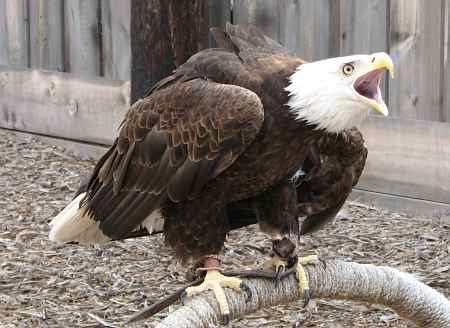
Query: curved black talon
x,y
225,319
183,297
279,275
292,261
322,260
247,291
306,297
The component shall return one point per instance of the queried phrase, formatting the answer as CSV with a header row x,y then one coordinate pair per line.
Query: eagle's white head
x,y
338,93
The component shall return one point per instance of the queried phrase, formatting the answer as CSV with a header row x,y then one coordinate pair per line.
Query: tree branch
x,y
407,296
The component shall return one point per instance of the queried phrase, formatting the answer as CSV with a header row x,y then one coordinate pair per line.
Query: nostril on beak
x,y
373,59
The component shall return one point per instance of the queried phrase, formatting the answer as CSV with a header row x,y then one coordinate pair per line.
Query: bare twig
x,y
337,280
162,304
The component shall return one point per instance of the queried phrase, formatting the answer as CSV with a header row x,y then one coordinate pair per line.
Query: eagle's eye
x,y
348,69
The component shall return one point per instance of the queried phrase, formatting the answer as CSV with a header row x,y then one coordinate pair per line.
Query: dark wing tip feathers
x,y
223,40
246,41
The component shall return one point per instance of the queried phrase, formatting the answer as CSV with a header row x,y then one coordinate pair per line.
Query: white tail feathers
x,y
73,224
154,222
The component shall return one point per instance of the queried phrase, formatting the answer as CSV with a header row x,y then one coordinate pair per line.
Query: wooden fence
x,y
85,37
409,152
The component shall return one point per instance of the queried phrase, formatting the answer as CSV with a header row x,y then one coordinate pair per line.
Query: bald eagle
x,y
239,134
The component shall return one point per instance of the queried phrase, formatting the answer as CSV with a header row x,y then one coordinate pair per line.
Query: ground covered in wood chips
x,y
48,285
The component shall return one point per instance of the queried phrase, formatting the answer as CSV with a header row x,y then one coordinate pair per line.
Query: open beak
x,y
367,85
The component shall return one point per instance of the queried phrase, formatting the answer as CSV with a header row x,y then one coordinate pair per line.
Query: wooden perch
x,y
410,298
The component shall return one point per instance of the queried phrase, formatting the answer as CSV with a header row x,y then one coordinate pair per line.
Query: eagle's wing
x,y
246,40
170,145
253,47
333,167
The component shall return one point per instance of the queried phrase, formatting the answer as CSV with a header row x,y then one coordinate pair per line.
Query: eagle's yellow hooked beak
x,y
382,60
367,85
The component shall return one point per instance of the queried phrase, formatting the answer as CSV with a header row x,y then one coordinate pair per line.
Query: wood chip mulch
x,y
47,285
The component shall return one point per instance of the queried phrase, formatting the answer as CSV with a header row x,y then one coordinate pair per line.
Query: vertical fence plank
x,y
265,14
364,26
446,77
18,32
219,14
82,41
364,29
307,29
303,26
4,54
335,27
116,39
164,34
46,39
416,46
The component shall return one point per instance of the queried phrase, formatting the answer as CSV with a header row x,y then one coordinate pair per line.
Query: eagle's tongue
x,y
367,85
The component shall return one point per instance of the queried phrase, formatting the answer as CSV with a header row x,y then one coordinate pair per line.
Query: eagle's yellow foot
x,y
216,281
276,264
302,278
283,256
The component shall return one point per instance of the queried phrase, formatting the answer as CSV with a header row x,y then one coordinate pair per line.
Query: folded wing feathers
x,y
136,175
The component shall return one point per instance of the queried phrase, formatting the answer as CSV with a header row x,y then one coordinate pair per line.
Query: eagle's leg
x,y
277,211
216,281
282,257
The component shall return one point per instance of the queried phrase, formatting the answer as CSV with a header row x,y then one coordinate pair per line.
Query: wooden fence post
x,y
164,34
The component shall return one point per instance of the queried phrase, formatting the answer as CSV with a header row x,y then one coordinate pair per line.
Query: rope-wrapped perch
x,y
407,296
